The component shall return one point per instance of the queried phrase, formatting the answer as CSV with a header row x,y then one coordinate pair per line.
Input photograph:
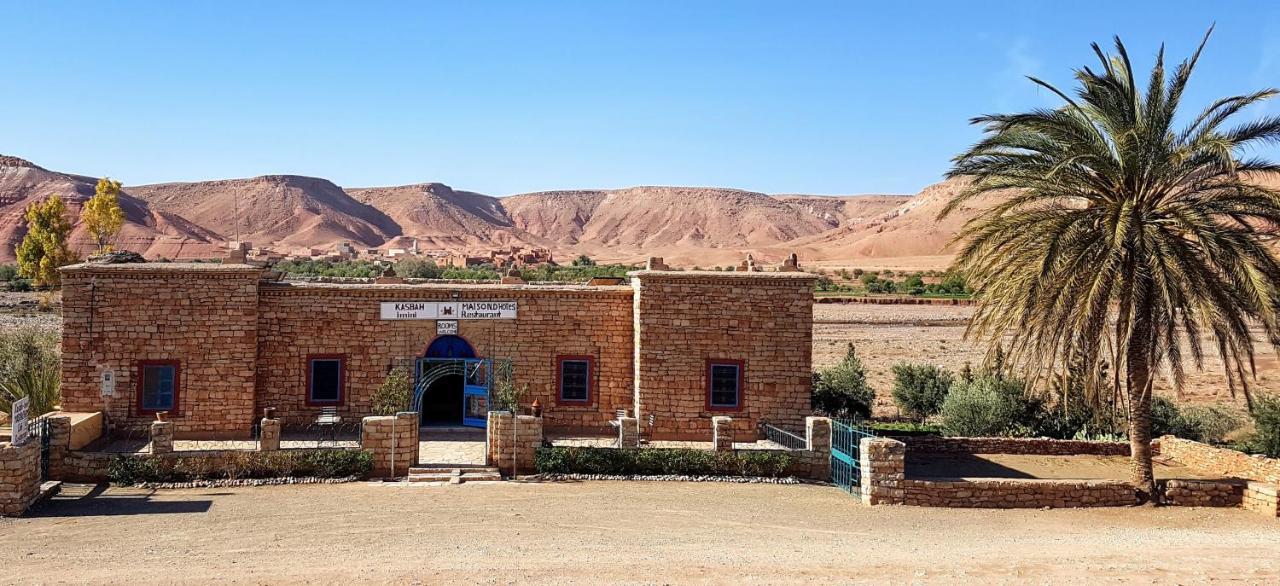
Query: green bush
x,y
395,394
919,389
1266,423
132,469
842,390
990,405
906,428
660,462
30,366
1195,422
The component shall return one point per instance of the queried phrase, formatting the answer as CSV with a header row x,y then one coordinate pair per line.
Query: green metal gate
x,y
846,470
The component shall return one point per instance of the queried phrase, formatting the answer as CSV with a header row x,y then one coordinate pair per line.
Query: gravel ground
x,y
612,532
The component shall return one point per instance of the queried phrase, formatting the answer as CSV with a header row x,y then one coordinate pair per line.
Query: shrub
x,y
919,389
30,366
1196,422
1266,423
905,429
660,462
842,390
394,394
132,469
989,405
418,268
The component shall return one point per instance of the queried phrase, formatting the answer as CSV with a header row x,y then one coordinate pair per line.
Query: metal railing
x,y
783,437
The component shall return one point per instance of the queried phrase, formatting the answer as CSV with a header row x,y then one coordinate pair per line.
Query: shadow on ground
x,y
91,501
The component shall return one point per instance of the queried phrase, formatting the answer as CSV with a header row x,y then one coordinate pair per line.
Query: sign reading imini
x,y
448,310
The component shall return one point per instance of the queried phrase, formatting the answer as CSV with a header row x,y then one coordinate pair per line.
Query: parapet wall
x,y
1207,459
1011,445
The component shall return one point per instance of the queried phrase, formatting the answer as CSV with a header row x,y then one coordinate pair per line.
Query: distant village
x,y
501,258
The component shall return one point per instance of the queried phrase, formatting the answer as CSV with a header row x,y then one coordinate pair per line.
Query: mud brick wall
x,y
1003,445
205,316
1017,493
19,477
296,320
393,441
1209,460
683,319
512,450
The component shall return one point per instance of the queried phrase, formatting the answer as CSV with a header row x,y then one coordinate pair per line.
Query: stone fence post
x,y
817,439
722,433
393,441
512,450
269,435
19,477
161,437
883,463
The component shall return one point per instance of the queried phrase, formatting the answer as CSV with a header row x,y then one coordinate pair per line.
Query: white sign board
x,y
20,425
107,382
448,310
447,327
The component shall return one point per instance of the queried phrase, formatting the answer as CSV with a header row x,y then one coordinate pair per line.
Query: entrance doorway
x,y
451,386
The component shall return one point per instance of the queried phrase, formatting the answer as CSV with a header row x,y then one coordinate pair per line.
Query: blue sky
x,y
501,98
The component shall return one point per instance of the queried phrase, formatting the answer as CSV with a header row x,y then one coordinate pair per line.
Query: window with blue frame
x,y
574,379
158,386
724,385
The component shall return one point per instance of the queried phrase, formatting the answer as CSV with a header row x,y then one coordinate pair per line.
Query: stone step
x,y
454,475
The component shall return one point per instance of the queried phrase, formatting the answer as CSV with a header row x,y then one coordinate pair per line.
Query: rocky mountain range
x,y
686,225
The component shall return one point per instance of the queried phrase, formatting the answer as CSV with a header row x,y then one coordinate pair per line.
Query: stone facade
x,y
19,477
1207,459
512,450
241,344
393,441
684,320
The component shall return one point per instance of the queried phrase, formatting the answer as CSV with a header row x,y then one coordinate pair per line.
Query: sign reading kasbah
x,y
448,310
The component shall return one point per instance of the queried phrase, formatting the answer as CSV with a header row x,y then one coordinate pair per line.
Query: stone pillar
x,y
722,433
628,432
269,435
59,444
393,441
161,437
19,477
512,450
883,464
817,438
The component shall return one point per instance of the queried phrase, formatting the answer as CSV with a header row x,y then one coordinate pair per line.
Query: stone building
x,y
211,345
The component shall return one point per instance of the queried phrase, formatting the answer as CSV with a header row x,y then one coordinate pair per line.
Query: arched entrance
x,y
452,385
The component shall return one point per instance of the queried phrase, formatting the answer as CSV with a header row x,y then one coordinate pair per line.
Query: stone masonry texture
x,y
19,477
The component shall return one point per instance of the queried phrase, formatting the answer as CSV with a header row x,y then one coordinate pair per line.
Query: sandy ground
x,y
613,532
1035,466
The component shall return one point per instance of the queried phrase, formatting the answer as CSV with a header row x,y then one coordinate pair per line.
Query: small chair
x,y
329,419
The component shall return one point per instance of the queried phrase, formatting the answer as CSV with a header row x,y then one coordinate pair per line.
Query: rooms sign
x,y
448,310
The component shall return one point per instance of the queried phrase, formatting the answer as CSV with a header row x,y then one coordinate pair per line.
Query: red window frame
x,y
591,383
342,380
177,387
742,386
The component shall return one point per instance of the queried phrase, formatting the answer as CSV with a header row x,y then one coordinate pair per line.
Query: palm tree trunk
x,y
1139,379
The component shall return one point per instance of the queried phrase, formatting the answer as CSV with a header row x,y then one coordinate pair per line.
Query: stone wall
x,y
1202,493
883,464
684,319
1209,460
1011,493
1012,445
512,450
1261,497
393,441
202,315
19,477
296,320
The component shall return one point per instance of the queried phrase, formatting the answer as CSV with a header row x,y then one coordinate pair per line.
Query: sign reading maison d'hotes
x,y
448,310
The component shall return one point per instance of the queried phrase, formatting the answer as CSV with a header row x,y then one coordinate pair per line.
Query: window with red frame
x,y
724,384
324,380
574,375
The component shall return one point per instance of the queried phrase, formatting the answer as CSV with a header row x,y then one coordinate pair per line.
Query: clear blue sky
x,y
780,97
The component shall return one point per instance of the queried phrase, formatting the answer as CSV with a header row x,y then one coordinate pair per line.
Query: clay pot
x,y
536,408
161,416
269,413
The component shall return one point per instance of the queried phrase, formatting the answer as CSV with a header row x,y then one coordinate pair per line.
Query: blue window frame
x,y
158,386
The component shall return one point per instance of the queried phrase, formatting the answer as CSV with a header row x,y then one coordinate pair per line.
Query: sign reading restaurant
x,y
448,310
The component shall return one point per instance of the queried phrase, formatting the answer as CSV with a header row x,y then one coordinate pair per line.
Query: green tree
x,y
44,248
919,389
584,261
1116,231
395,394
842,390
101,215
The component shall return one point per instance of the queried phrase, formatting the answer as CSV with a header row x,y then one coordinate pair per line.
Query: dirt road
x,y
597,532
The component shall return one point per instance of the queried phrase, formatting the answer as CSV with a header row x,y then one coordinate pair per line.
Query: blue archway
x,y
449,347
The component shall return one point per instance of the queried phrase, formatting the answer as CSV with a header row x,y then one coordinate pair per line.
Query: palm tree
x,y
1119,236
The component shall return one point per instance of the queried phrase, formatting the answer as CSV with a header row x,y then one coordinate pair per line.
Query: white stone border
x,y
239,482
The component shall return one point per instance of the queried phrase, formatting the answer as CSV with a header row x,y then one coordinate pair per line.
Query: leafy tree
x,y
44,248
919,389
1114,226
989,405
395,394
842,390
101,215
418,268
584,261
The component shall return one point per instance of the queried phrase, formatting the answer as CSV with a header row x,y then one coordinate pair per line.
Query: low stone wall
x,y
93,467
1202,493
393,441
1207,459
883,464
512,450
1261,497
1016,493
1012,445
19,477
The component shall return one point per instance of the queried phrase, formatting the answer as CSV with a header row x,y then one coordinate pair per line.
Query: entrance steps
x,y
454,474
